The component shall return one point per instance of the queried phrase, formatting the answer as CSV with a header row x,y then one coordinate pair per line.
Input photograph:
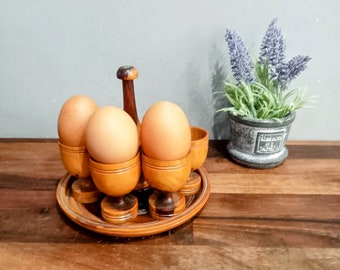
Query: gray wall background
x,y
51,50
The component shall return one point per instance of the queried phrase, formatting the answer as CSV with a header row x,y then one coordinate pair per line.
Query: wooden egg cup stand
x,y
165,205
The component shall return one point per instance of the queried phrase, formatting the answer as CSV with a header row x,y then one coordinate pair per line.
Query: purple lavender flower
x,y
290,70
296,65
240,62
272,51
271,69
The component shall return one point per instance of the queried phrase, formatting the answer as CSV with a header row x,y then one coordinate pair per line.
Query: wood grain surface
x,y
282,218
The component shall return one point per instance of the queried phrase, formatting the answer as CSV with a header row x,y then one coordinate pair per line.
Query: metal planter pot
x,y
259,143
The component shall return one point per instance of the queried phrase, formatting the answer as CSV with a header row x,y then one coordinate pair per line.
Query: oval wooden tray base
x,y
88,215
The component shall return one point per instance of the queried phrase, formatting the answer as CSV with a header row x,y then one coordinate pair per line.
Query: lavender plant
x,y
261,89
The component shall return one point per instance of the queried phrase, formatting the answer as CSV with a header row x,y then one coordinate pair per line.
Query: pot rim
x,y
263,122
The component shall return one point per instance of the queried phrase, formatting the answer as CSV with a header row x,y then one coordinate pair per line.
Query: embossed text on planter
x,y
268,143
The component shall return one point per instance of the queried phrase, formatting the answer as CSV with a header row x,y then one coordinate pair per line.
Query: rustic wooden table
x,y
282,218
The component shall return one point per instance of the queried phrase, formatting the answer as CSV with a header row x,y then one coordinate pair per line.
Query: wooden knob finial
x,y
127,73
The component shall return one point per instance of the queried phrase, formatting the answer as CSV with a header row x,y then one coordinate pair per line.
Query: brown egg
x,y
165,132
73,118
111,135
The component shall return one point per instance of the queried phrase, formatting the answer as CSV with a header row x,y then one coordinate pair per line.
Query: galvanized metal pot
x,y
259,143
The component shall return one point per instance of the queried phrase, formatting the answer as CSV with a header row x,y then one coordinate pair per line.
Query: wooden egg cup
x,y
166,177
198,154
117,181
76,162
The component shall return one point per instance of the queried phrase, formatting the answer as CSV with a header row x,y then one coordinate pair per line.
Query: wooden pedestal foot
x,y
118,210
163,205
84,191
192,185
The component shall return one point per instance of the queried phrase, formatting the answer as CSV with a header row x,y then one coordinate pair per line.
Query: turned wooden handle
x,y
127,74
